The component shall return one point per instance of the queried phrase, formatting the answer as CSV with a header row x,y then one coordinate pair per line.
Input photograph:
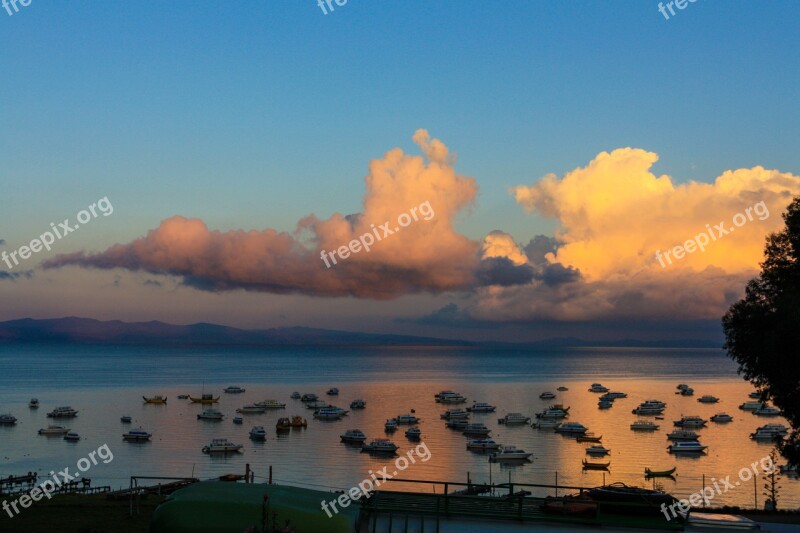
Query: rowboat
x,y
659,473
204,399
588,438
588,465
158,400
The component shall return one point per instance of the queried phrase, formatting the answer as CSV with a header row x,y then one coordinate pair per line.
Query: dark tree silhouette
x,y
762,331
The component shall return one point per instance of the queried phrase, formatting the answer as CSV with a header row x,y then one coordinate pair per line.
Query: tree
x,y
762,331
771,488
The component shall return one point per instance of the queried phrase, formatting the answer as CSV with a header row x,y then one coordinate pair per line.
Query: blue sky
x,y
254,114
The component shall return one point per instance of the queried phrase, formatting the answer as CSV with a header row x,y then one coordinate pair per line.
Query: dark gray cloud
x,y
502,271
538,247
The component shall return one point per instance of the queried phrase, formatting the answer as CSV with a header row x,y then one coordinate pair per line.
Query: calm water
x,y
104,383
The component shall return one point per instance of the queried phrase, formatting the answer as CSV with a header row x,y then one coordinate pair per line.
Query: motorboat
x,y
690,422
390,425
708,399
482,445
443,393
722,417
547,395
271,404
283,424
222,446
654,403
509,454
589,437
682,386
251,408
156,400
588,465
769,432
406,419
328,413
413,433
572,428
63,412
205,399
457,423
137,435
659,473
295,396
183,396
333,391
380,446
309,397
650,407
478,430
687,392
358,404
752,406
604,404
210,414
555,412
562,389
453,414
644,425
596,387
690,446
34,403
614,395
682,435
514,419
71,436
620,494
54,430
545,423
453,398
298,422
238,420
7,419
353,436
481,407
126,419
317,404
233,389
755,395
767,411
597,449
258,433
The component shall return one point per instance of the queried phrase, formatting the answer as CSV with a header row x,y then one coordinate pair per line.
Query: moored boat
x,y
547,395
482,445
562,389
752,406
682,434
137,435
353,436
54,430
457,423
34,403
309,397
238,420
222,445
333,391
478,430
481,407
157,400
390,425
71,436
687,392
589,437
7,419
588,465
453,398
406,419
604,404
691,446
251,409
283,424
296,395
358,404
555,412
413,433
258,433
205,399
513,419
510,454
63,412
453,414
380,446
210,414
690,422
571,428
596,387
271,404
767,411
644,425
769,432
328,413
126,419
233,389
708,399
620,494
721,417
597,449
298,422
659,473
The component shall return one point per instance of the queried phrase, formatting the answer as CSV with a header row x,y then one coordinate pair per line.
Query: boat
x,y
482,445
691,446
755,395
556,412
571,428
620,493
309,397
752,406
604,404
562,389
572,505
137,435
792,470
233,389
767,411
457,423
589,437
63,412
390,425
687,392
251,408
547,395
616,395
690,422
157,400
413,433
649,408
481,407
210,414
509,454
71,436
722,417
453,414
126,419
295,396
588,465
54,430
478,430
34,403
7,419
358,404
271,404
708,399
204,399
258,433
451,398
682,434
682,386
353,436
222,446
316,404
328,413
596,387
333,391
380,446
406,419
443,393
659,473
298,422
644,425
238,420
183,396
514,418
769,432
283,424
597,449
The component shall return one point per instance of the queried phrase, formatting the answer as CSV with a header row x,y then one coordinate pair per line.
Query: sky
x,y
557,145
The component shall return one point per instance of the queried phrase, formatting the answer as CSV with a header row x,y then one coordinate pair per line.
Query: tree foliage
x,y
762,331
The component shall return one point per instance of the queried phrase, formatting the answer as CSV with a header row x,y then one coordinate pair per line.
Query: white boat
x,y
514,419
451,399
34,403
708,399
509,454
597,449
238,420
752,406
721,417
481,407
644,425
210,414
295,396
690,422
271,404
233,389
482,445
380,446
71,436
353,436
413,433
316,404
545,423
596,387
390,425
258,433
333,391
453,414
7,419
554,412
329,413
137,435
250,409
547,395
443,393
457,423
406,419
63,412
222,446
126,419
690,446
682,434
654,403
478,430
769,432
54,430
767,411
309,397
647,410
358,404
571,428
